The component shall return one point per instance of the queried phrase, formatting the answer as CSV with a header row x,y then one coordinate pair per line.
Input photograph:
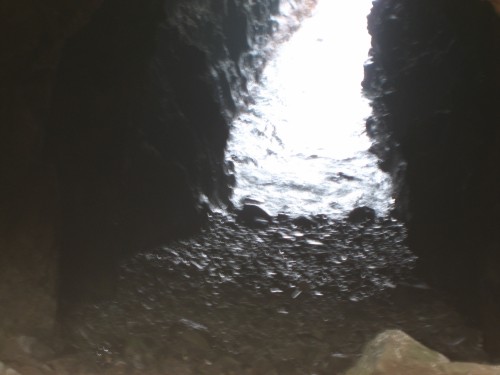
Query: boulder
x,y
304,222
253,215
395,353
361,215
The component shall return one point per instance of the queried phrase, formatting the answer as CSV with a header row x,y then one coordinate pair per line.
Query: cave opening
x,y
116,113
301,147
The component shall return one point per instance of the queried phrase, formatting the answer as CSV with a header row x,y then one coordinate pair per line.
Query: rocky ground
x,y
292,296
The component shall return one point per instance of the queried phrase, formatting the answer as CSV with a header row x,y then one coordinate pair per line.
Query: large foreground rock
x,y
395,353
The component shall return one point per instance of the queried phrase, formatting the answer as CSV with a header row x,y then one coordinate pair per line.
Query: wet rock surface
x,y
114,121
280,300
434,78
137,135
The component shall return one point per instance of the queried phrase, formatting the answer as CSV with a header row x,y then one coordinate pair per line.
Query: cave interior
x,y
116,114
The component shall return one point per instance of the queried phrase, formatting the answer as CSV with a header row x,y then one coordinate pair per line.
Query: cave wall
x,y
31,38
115,116
434,77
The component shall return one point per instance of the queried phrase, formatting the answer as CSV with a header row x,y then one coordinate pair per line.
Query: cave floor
x,y
286,299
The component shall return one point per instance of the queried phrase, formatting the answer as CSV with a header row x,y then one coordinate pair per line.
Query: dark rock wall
x,y
115,116
434,78
31,37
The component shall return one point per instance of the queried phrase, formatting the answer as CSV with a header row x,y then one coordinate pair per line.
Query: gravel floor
x,y
296,297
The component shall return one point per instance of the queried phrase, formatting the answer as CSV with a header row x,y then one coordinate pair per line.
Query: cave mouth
x,y
300,148
115,123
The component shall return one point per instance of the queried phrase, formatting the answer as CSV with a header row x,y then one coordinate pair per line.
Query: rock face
x,y
31,38
115,116
395,353
435,80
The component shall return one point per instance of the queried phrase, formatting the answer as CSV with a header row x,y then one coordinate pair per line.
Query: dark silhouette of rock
x,y
304,222
254,216
435,84
282,217
362,214
30,194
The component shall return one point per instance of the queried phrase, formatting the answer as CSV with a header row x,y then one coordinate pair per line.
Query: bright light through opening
x,y
301,147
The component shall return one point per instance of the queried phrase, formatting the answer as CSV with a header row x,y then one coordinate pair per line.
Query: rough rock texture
x,y
140,121
31,37
114,121
395,353
435,79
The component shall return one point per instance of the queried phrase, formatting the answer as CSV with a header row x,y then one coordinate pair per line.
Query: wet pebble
x,y
276,300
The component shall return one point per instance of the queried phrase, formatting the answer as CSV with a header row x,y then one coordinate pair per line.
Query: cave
x,y
115,121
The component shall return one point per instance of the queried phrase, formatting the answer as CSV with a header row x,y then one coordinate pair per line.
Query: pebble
x,y
4,370
274,297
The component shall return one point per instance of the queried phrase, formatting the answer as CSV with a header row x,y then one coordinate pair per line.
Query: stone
x,y
361,214
393,352
5,370
282,217
304,222
253,215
